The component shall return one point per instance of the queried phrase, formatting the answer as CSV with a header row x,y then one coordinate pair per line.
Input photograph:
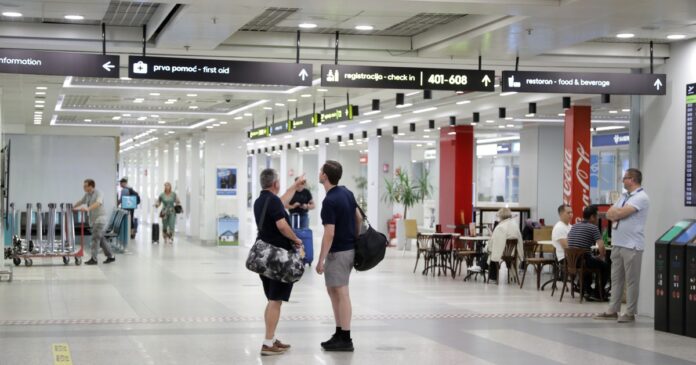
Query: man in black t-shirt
x,y
584,235
342,221
300,204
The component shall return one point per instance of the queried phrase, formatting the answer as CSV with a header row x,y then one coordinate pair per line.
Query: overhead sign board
x,y
338,114
280,127
690,158
379,77
304,122
20,61
207,70
259,133
608,140
584,83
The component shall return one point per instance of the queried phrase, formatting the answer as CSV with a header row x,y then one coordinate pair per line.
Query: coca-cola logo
x,y
567,175
582,174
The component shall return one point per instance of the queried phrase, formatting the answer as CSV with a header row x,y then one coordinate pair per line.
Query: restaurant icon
x,y
332,76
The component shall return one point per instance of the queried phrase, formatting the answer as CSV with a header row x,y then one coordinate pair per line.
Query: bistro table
x,y
441,252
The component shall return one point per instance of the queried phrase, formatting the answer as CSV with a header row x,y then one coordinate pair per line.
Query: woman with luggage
x,y
168,200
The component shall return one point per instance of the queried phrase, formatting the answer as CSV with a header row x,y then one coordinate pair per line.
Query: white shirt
x,y
630,231
560,231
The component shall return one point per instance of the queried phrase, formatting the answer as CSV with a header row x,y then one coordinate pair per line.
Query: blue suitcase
x,y
305,234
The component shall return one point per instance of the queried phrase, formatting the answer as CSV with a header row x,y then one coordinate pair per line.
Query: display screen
x,y
674,231
687,236
690,148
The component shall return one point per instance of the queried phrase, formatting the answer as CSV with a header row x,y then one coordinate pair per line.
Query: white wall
x,y
381,152
662,159
51,169
541,171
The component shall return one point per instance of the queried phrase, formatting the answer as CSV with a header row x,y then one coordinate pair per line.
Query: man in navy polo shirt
x,y
342,221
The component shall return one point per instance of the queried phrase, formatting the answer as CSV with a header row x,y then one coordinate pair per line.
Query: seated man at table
x,y
559,235
507,228
584,235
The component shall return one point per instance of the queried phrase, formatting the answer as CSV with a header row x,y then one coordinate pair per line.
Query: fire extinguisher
x,y
392,228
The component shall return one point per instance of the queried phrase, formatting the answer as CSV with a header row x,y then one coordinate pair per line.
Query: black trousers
x,y
593,262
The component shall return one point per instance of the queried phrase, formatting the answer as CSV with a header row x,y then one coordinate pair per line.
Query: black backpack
x,y
370,247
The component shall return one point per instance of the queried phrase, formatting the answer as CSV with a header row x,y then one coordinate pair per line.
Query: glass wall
x,y
607,166
498,171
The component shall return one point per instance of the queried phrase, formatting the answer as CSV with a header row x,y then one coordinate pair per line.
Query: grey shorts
x,y
338,267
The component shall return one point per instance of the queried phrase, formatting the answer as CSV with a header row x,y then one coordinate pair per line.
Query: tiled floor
x,y
191,304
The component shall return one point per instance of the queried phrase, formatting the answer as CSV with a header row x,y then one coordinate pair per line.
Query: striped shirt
x,y
583,235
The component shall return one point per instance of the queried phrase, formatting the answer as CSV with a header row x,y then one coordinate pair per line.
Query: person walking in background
x,y
628,217
301,203
273,225
342,221
168,200
129,191
93,204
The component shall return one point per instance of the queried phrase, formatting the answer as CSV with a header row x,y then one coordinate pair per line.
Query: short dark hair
x,y
562,207
90,182
589,211
635,175
125,180
333,171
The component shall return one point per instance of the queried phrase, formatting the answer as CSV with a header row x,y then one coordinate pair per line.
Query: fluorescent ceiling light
x,y
676,36
40,101
625,35
247,114
306,95
613,111
510,125
40,93
321,130
154,116
404,105
292,100
279,104
463,102
88,120
424,110
307,25
392,116
364,27
238,118
413,93
125,115
372,112
494,140
193,107
216,125
490,121
116,118
267,108
610,128
154,94
12,14
41,88
74,17
508,93
530,115
210,127
142,118
501,127
161,122
561,114
366,121
191,95
626,110
451,133
322,90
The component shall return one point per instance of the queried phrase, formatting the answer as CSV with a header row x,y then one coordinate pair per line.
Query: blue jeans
x,y
304,220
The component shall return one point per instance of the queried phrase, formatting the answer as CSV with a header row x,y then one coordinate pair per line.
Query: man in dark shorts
x,y
300,204
342,221
273,223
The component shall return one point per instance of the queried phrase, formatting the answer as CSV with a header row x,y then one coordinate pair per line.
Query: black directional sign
x,y
280,127
238,72
20,61
407,78
259,132
584,83
305,121
690,148
338,114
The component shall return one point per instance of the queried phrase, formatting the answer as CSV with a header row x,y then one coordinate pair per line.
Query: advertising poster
x,y
227,181
228,231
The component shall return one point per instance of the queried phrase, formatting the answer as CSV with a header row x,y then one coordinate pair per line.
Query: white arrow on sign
x,y
658,84
486,80
303,74
108,66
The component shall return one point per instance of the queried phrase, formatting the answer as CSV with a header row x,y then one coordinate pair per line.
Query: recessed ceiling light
x,y
161,122
322,90
490,121
125,115
613,111
40,93
238,118
292,100
279,104
561,114
501,127
88,120
510,125
172,100
404,105
625,35
267,108
307,25
626,110
364,27
154,94
223,123
11,14
191,95
247,114
40,101
306,95
38,106
74,17
509,118
463,102
41,88
116,118
154,116
676,36
142,118
193,106
210,127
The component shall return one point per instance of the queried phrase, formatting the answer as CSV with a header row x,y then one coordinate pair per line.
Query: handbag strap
x,y
263,214
362,213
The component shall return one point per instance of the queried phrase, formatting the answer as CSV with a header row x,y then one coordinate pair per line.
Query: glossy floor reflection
x,y
193,304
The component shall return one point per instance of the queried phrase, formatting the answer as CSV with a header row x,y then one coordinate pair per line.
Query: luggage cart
x,y
27,249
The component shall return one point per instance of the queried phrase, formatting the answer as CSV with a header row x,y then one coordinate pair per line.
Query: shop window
x,y
498,170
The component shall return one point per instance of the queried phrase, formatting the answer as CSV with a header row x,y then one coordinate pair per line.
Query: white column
x,y
182,183
541,171
380,154
194,167
289,168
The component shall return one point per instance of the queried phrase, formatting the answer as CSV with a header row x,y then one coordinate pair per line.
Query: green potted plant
x,y
404,190
361,185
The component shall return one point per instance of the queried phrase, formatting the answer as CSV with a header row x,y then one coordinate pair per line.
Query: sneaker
x,y
607,316
91,261
627,318
110,260
270,351
281,345
340,345
333,339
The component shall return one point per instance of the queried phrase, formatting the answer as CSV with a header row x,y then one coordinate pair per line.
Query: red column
x,y
456,175
576,159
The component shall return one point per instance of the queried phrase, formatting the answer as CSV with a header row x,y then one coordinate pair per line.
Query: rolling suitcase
x,y
155,232
305,234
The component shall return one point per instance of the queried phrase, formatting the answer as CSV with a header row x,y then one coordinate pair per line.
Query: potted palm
x,y
407,192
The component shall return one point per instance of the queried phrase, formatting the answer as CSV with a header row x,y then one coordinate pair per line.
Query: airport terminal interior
x,y
137,136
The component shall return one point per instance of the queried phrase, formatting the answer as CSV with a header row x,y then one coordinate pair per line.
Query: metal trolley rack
x,y
50,246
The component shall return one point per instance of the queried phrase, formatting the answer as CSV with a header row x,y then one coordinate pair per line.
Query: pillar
x,y
380,166
195,187
541,171
456,176
183,182
576,159
325,152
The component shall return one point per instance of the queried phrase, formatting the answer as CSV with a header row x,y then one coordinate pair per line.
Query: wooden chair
x,y
442,253
509,257
575,270
463,251
423,242
531,249
411,230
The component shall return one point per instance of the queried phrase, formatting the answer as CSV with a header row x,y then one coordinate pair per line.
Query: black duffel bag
x,y
370,247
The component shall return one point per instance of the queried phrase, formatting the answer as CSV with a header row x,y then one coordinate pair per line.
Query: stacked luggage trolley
x,y
45,234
